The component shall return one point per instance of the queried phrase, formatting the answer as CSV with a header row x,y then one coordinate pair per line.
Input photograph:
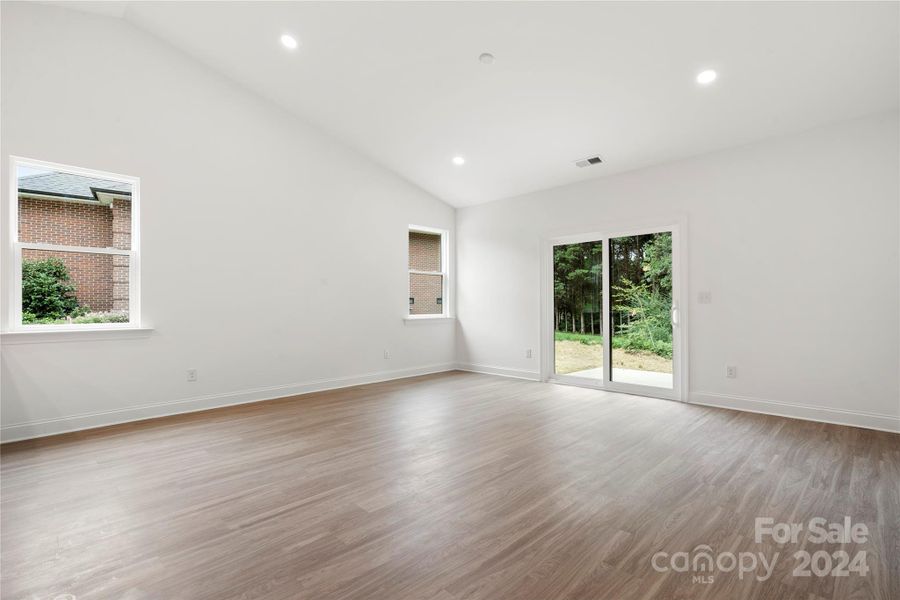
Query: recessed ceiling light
x,y
459,161
706,77
289,42
486,58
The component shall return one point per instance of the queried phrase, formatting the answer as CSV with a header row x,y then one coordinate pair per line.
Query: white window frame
x,y
444,272
14,286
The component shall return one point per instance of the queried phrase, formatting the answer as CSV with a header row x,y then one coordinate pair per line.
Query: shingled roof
x,y
69,185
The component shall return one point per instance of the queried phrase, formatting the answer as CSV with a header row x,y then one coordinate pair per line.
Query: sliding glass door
x,y
614,312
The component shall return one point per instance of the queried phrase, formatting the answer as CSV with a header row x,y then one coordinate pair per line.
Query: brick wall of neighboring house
x,y
425,290
121,234
100,280
65,223
425,255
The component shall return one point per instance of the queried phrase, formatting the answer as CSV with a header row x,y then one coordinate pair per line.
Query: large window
x,y
428,279
74,239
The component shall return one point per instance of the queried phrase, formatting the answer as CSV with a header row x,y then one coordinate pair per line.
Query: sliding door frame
x,y
678,227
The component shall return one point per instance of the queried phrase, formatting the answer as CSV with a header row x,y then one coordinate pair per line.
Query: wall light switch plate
x,y
704,297
192,375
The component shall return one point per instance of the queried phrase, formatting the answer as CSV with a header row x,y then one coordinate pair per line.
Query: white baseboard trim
x,y
854,418
55,426
503,371
806,412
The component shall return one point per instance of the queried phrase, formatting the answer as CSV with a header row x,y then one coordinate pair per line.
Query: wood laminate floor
x,y
446,487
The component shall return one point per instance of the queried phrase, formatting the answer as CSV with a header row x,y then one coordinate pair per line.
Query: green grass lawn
x,y
584,338
621,342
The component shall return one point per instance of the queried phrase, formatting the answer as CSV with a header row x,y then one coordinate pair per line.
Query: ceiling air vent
x,y
587,162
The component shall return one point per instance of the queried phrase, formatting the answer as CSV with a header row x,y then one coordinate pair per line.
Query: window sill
x,y
35,336
428,319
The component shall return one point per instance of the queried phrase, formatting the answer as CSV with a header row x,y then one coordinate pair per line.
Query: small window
x,y
75,248
428,272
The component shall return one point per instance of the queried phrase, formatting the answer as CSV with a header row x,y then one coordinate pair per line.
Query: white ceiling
x,y
402,83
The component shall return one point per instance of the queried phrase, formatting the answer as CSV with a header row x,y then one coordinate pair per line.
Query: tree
x,y
46,290
657,262
576,285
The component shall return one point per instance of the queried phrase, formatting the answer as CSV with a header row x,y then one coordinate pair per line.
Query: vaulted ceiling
x,y
402,82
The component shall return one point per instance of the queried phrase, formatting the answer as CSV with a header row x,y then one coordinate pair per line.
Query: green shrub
x,y
101,318
47,294
89,318
649,326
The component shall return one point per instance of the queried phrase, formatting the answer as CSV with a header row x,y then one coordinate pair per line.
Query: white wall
x,y
273,257
796,238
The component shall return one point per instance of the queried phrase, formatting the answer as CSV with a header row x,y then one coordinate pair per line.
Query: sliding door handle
x,y
674,312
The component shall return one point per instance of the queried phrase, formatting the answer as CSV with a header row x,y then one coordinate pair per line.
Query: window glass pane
x,y
74,287
578,309
424,251
426,294
56,207
641,304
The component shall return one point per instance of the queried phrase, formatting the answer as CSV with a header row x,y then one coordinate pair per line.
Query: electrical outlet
x,y
704,297
730,371
387,355
192,375
528,353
